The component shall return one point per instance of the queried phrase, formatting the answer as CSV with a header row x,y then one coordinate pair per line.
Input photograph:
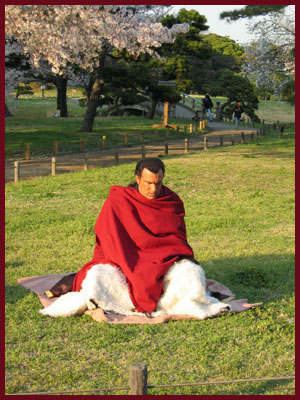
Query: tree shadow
x,y
258,278
14,264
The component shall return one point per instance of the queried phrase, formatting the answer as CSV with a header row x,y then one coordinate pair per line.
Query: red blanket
x,y
143,238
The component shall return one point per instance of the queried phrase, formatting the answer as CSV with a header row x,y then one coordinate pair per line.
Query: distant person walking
x,y
207,105
237,113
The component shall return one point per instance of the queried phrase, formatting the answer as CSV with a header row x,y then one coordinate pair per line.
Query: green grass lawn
x,y
29,125
239,205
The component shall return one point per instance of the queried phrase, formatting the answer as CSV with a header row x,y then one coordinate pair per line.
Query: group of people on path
x,y
207,106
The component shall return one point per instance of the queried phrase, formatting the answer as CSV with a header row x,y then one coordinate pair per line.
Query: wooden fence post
x,y
104,142
17,171
205,142
281,131
81,145
85,164
191,128
166,148
201,125
27,152
242,138
252,136
143,150
117,158
221,141
55,148
138,379
126,140
232,139
257,134
53,166
186,145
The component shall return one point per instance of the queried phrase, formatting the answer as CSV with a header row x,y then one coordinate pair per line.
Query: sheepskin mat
x,y
42,283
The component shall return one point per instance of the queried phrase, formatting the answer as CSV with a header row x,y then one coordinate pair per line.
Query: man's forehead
x,y
146,173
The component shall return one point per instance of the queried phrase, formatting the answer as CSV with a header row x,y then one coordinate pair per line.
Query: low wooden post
x,y
27,152
166,148
221,141
186,145
85,163
205,142
177,128
143,150
156,134
281,131
17,171
104,142
126,140
53,166
191,128
138,379
55,148
242,138
252,136
201,125
81,145
117,158
232,139
257,134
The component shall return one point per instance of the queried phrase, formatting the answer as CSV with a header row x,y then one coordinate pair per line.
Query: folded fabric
x,y
40,284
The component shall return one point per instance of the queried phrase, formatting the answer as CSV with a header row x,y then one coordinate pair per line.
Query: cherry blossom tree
x,y
87,36
270,59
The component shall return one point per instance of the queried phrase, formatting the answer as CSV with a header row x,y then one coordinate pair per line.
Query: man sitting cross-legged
x,y
142,261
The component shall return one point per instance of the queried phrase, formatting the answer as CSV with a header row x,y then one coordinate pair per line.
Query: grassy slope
x,y
240,221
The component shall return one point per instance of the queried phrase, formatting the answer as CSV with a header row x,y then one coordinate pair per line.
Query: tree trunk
x,y
61,86
7,112
151,112
93,101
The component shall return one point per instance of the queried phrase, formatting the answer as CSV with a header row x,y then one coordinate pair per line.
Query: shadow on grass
x,y
14,264
258,278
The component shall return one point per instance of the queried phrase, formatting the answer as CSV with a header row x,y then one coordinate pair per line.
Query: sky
x,y
236,30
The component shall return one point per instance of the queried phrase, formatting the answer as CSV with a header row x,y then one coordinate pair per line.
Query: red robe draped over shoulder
x,y
143,238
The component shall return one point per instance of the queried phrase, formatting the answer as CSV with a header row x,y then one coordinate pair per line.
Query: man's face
x,y
149,183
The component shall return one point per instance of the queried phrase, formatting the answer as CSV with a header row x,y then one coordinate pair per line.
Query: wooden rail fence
x,y
192,128
138,385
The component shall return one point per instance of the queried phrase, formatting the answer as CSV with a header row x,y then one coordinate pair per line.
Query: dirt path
x,y
100,158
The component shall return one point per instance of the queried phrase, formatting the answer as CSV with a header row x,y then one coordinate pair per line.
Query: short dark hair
x,y
154,165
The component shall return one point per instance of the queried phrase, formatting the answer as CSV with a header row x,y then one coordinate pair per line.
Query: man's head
x,y
149,174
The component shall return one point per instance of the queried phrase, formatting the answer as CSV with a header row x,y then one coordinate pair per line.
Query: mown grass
x,y
29,125
239,204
